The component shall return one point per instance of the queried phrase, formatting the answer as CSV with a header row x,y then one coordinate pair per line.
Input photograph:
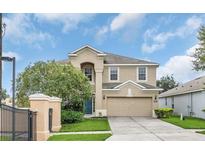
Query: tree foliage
x,y
54,79
167,82
4,94
199,54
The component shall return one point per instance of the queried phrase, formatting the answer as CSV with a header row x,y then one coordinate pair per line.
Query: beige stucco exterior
x,y
129,106
126,72
41,104
130,73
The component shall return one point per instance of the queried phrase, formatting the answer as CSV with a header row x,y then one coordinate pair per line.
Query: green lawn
x,y
188,123
201,132
93,124
5,138
79,137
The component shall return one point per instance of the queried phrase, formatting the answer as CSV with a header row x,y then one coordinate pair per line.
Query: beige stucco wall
x,y
130,73
55,104
90,56
101,76
135,92
41,104
87,55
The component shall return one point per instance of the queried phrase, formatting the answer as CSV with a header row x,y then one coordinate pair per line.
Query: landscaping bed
x,y
188,123
88,124
201,132
79,137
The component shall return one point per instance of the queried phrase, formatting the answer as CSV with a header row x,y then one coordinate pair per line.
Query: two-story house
x,y
122,86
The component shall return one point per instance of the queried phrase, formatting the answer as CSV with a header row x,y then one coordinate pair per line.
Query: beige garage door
x,y
129,106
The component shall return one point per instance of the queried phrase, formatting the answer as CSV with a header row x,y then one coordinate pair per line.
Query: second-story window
x,y
88,73
114,73
142,73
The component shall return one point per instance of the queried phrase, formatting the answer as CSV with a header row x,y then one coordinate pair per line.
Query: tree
x,y
54,79
199,54
167,82
4,94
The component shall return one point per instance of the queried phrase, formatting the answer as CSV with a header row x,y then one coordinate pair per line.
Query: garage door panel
x,y
129,106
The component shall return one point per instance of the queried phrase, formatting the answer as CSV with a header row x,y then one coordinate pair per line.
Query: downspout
x,y
191,112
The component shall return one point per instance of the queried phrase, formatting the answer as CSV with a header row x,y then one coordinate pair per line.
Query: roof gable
x,y
79,50
129,82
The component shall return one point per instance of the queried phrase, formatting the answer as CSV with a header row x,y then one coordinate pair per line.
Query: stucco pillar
x,y
40,103
55,104
98,93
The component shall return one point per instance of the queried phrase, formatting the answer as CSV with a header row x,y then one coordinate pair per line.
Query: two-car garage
x,y
129,106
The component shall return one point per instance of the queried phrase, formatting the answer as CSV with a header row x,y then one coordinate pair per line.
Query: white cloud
x,y
154,41
19,28
101,34
180,66
191,50
12,54
125,19
151,48
69,21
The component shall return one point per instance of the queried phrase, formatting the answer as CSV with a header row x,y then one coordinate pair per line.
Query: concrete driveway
x,y
148,129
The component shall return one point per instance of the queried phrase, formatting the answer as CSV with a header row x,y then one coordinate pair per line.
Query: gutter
x,y
186,92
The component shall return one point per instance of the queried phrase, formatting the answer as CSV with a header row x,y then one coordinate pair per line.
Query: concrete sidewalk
x,y
149,129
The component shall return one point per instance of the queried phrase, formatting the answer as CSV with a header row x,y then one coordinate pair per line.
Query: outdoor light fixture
x,y
155,99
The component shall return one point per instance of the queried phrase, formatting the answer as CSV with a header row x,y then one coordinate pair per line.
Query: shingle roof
x,y
111,58
65,61
110,85
113,85
147,86
197,84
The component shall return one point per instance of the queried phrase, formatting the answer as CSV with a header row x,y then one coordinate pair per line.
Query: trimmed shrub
x,y
203,110
164,112
68,116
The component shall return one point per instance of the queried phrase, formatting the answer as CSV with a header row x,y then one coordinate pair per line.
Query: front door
x,y
88,107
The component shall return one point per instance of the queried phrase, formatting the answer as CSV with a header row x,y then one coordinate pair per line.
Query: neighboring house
x,y
7,101
122,86
188,99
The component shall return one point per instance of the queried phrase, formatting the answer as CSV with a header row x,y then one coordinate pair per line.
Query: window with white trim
x,y
142,73
114,73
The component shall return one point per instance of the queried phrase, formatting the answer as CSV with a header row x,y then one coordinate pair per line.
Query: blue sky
x,y
168,39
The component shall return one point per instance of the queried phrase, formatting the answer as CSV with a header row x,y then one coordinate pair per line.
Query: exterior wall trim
x,y
110,89
131,64
159,89
129,81
74,53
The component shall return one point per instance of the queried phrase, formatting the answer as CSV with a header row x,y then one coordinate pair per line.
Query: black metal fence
x,y
17,124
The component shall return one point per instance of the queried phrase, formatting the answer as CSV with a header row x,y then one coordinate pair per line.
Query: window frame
x,y
92,73
146,73
109,74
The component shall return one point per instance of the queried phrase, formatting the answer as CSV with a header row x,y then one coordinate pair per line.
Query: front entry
x,y
88,107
